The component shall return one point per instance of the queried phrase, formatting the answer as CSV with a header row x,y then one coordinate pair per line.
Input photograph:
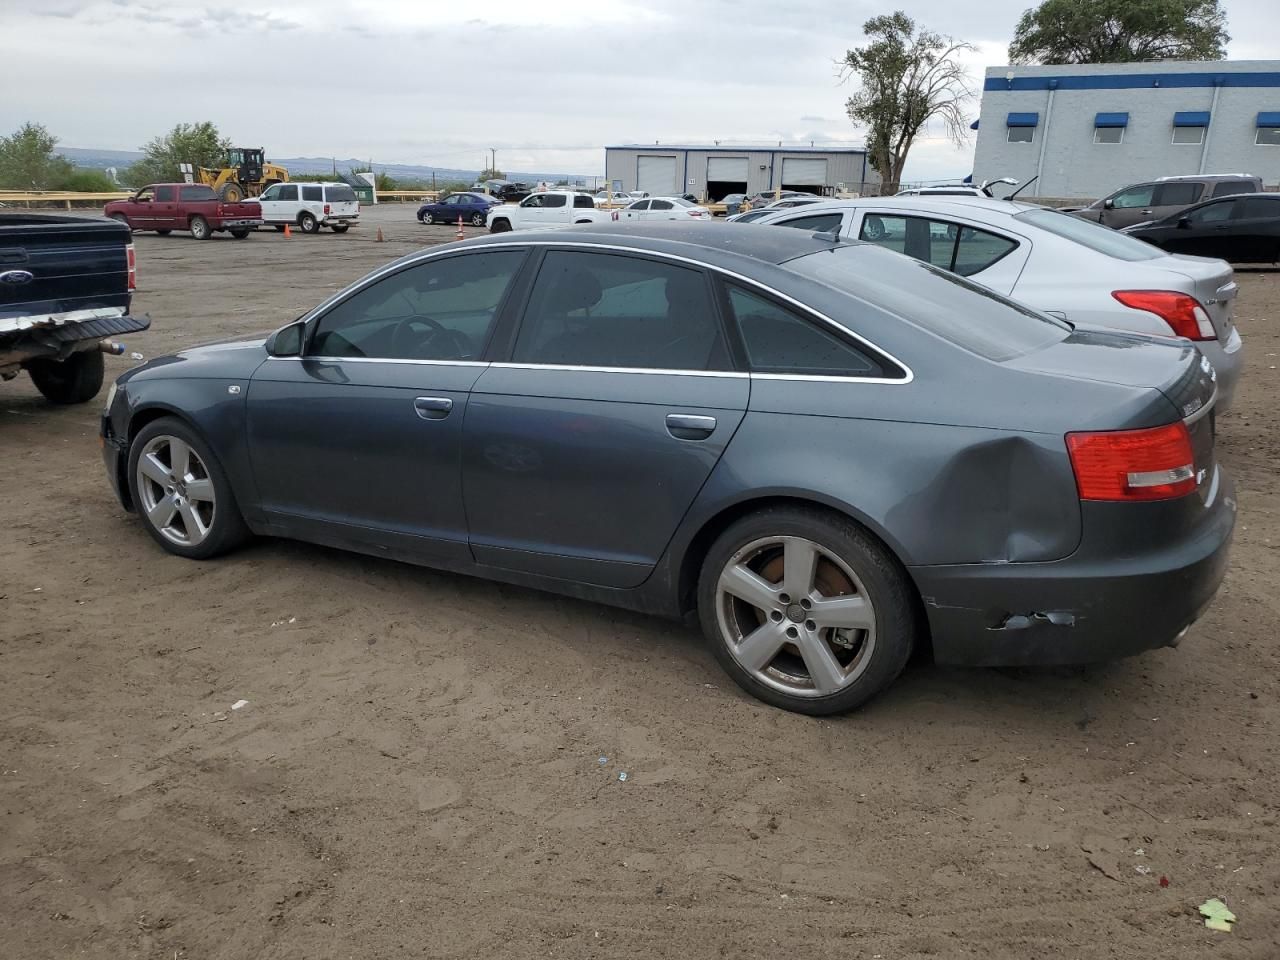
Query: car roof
x,y
1208,176
765,244
955,205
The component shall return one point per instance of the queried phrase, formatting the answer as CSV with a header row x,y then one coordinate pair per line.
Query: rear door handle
x,y
432,408
686,427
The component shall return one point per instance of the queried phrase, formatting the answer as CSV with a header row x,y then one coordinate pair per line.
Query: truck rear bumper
x,y
58,334
228,224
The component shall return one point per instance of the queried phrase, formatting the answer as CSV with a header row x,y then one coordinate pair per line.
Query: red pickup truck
x,y
165,207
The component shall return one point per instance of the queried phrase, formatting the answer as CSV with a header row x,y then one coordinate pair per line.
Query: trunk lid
x,y
1213,284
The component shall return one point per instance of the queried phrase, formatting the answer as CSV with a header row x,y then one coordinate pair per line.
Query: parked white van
x,y
309,206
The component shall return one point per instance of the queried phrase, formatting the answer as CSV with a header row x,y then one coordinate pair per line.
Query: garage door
x,y
727,168
656,175
811,172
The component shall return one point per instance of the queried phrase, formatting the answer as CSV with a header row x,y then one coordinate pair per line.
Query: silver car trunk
x,y
1215,288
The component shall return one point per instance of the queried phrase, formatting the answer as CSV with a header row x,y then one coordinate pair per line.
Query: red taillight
x,y
1181,312
131,259
1153,464
326,209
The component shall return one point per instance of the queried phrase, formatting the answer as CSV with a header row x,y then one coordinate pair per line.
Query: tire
x,y
200,228
428,218
308,223
855,663
164,233
76,379
501,225
477,219
341,227
211,522
231,193
239,232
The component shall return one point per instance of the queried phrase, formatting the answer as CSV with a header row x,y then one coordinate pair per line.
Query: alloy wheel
x,y
176,491
795,616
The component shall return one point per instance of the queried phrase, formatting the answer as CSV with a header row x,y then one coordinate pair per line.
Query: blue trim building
x,y
1086,130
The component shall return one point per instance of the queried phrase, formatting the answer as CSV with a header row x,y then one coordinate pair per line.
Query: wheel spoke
x,y
200,490
153,469
161,515
191,522
843,612
179,457
761,645
824,670
800,560
749,586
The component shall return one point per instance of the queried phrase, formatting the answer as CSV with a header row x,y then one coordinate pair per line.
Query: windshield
x,y
1092,235
958,310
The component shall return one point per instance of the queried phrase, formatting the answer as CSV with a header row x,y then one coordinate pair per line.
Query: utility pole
x,y
493,162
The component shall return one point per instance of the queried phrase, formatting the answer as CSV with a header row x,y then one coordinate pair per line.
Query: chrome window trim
x,y
660,254
422,363
662,371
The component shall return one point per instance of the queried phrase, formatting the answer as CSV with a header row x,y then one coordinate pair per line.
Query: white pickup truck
x,y
549,210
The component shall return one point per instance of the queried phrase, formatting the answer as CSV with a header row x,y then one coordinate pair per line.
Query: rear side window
x,y
582,201
197,192
608,310
1254,207
660,205
958,310
1092,235
340,193
951,246
780,341
1177,194
818,222
313,193
166,194
1228,188
554,200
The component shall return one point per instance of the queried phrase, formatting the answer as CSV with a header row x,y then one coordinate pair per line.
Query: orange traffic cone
x,y
460,235
287,232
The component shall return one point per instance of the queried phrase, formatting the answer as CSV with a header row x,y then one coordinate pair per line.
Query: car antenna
x,y
1023,187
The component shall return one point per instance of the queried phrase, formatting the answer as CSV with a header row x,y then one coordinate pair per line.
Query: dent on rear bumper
x,y
1077,610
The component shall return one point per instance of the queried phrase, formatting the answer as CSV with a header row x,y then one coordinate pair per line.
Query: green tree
x,y
195,143
1120,31
86,181
490,174
908,77
27,160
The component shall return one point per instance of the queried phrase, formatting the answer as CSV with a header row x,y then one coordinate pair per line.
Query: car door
x,y
638,210
660,210
270,203
986,255
1132,205
1176,195
165,213
1257,221
313,200
584,450
1202,232
141,209
358,440
288,206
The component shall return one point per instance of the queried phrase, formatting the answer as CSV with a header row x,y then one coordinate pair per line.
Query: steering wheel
x,y
412,336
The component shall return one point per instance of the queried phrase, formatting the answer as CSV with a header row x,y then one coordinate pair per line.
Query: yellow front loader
x,y
246,174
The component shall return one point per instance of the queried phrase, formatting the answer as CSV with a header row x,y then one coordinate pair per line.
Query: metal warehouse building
x,y
1087,130
715,171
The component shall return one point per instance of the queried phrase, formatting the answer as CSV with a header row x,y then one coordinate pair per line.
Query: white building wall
x,y
1074,166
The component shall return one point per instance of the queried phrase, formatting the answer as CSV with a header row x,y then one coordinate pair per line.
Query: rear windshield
x,y
1088,234
958,310
340,193
198,193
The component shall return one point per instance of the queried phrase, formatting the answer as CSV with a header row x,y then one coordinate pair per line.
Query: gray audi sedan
x,y
827,452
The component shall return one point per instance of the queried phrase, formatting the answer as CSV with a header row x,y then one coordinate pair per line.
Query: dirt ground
x,y
430,765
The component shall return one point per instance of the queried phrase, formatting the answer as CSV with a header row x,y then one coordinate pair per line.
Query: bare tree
x,y
908,77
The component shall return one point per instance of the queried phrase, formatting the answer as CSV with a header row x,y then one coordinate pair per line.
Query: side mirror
x,y
1108,203
287,341
1184,223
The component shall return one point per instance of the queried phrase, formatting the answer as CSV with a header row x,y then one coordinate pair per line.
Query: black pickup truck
x,y
65,288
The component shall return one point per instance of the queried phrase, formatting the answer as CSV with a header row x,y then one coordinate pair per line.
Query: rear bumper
x,y
1102,606
342,218
229,224
113,458
1228,362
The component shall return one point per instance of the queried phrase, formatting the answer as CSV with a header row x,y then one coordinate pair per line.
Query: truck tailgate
x,y
56,264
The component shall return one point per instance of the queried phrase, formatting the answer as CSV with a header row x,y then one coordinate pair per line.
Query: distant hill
x,y
102,159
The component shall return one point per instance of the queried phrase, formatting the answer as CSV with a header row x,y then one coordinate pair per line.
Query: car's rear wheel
x,y
501,225
477,219
200,228
77,379
307,222
181,492
341,227
805,610
428,217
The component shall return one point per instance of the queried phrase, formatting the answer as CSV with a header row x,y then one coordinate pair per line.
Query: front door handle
x,y
685,427
432,408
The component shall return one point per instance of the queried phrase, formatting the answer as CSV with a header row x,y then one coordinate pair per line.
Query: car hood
x,y
233,359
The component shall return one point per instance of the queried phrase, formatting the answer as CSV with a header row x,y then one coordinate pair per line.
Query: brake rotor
x,y
830,580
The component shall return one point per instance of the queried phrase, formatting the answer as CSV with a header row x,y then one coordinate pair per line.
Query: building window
x,y
1268,137
1188,134
1108,134
1022,134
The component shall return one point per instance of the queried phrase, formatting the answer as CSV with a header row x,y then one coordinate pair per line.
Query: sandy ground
x,y
418,771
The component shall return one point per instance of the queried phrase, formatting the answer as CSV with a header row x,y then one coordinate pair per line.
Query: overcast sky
x,y
546,82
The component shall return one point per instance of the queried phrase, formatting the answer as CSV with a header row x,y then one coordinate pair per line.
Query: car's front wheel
x,y
181,492
500,225
805,610
428,217
341,227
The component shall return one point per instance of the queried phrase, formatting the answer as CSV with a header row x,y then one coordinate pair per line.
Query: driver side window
x,y
1139,196
439,310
